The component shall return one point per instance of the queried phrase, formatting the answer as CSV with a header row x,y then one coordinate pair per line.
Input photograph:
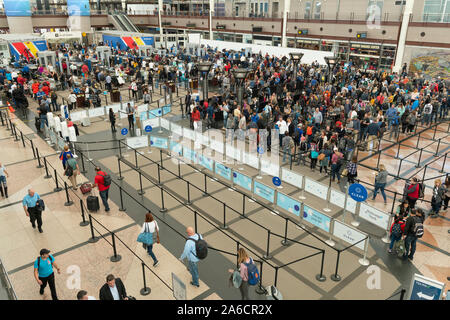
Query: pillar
x,y
402,38
18,15
79,15
211,10
160,8
287,7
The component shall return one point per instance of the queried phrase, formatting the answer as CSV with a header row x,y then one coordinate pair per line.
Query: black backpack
x,y
418,227
201,248
106,180
69,170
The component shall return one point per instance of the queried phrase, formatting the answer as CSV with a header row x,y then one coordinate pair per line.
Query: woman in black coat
x,y
112,119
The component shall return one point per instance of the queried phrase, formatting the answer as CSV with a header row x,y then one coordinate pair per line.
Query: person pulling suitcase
x,y
102,182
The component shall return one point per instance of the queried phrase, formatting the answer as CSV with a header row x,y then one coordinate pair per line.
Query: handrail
x,y
9,286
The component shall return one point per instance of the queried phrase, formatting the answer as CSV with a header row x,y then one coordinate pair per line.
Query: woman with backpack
x,y
314,154
437,198
248,272
72,170
397,229
150,226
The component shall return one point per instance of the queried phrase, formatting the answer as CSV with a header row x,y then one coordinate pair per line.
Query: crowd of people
x,y
322,117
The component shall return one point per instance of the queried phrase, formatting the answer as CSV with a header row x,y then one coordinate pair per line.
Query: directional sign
x,y
276,181
423,288
148,128
260,150
357,192
124,131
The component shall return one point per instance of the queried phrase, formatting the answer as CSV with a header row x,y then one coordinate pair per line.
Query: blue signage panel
x,y
190,154
288,204
167,109
423,288
159,142
176,147
124,131
154,113
206,162
276,181
316,218
17,8
264,191
78,8
242,180
357,192
148,128
223,171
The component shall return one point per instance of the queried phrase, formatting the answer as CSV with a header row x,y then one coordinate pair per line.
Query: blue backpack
x,y
253,273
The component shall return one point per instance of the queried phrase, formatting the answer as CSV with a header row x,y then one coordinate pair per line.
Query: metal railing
x,y
7,282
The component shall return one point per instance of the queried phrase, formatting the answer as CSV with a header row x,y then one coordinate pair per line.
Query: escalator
x,y
116,22
6,289
127,22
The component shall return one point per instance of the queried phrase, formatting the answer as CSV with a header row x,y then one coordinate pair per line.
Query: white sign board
x,y
150,122
423,288
232,152
348,234
57,124
270,168
165,123
142,108
251,160
316,188
291,177
96,112
338,199
375,216
177,129
188,133
137,142
78,116
216,145
72,134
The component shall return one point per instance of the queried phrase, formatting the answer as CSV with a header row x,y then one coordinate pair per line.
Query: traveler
x,y
33,209
190,252
112,119
244,262
352,169
380,182
439,191
151,226
83,295
336,159
413,192
447,192
113,289
102,188
413,230
3,175
288,146
130,113
396,231
63,155
403,209
43,272
72,170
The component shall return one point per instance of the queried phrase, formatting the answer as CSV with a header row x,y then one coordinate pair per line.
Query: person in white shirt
x,y
150,225
282,126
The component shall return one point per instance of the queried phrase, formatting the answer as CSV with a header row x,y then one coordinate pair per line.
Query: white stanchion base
x,y
259,177
149,151
355,223
386,239
241,169
251,200
275,212
302,197
327,209
330,242
364,262
280,187
231,189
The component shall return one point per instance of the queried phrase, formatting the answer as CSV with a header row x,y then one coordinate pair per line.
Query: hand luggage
x,y
37,123
93,203
85,188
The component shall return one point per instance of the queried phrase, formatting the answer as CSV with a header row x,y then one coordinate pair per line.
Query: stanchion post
x,y
443,164
225,227
39,159
93,238
136,159
424,173
285,242
276,276
397,177
57,188
267,254
141,192
32,148
206,186
243,207
320,277
145,290
163,209
363,261
159,175
402,294
260,289
335,276
188,202
84,222
398,150
435,129
116,257
47,176
21,137
68,201
420,158
418,139
120,170
195,221
122,208
437,149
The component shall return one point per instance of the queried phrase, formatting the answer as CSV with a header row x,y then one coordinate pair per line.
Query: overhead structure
x,y
145,51
103,54
46,58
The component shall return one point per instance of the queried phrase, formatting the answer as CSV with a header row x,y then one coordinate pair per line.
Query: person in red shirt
x,y
20,80
412,192
85,69
103,190
35,88
46,89
396,231
195,115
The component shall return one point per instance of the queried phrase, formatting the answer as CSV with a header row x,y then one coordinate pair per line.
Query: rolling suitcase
x,y
92,203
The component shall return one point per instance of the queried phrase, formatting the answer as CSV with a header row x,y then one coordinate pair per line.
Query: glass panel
x,y
308,10
432,10
317,9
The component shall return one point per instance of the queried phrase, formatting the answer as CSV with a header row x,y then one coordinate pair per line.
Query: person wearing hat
x,y
43,272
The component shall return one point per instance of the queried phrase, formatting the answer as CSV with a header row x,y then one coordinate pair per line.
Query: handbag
x,y
344,172
145,237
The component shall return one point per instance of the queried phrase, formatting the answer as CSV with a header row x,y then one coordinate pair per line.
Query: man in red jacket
x,y
412,192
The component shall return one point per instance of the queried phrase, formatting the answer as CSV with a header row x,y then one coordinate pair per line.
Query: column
x,y
160,8
18,14
287,7
211,10
79,15
402,38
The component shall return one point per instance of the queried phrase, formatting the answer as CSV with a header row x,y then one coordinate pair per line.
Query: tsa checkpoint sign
x,y
357,192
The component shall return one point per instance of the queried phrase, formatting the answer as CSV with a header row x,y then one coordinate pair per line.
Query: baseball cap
x,y
335,149
44,251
